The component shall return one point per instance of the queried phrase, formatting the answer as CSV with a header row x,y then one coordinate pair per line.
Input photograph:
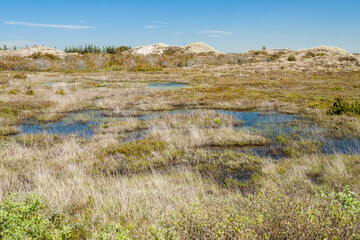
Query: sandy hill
x,y
162,48
322,54
325,51
27,52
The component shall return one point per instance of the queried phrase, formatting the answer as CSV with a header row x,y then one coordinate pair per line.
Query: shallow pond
x,y
82,124
61,84
272,124
167,85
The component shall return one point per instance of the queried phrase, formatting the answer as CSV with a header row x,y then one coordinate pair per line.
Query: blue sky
x,y
229,26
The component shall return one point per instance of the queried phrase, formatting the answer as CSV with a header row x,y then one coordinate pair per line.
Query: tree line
x,y
91,48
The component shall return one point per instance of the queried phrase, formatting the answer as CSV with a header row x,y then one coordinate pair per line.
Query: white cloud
x,y
214,32
73,27
151,26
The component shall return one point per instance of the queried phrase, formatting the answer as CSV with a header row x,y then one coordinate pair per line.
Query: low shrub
x,y
291,58
146,68
137,148
31,218
20,76
341,106
13,92
347,59
29,91
60,92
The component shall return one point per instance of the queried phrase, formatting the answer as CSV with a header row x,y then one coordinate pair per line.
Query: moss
x,y
136,148
316,105
60,92
9,111
13,92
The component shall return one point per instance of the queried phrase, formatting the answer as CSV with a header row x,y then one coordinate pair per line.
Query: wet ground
x,y
167,85
281,128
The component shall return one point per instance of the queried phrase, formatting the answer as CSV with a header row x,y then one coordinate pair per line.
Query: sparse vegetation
x,y
29,91
20,75
147,173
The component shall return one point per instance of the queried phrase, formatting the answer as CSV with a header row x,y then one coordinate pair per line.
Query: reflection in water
x,y
271,124
81,124
167,85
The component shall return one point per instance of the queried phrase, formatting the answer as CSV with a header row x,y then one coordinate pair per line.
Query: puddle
x,y
82,124
270,124
61,84
167,85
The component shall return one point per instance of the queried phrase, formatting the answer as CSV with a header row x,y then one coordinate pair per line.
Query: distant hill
x,y
31,51
162,48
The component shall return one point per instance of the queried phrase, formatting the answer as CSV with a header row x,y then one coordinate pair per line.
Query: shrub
x,y
137,148
29,91
336,89
29,218
20,76
45,56
348,59
60,92
291,58
13,92
347,199
217,121
145,68
315,105
310,54
341,106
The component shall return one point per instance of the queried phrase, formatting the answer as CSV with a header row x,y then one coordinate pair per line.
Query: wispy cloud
x,y
215,33
151,26
161,22
73,27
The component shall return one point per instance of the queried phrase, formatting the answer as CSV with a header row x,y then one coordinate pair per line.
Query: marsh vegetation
x,y
215,152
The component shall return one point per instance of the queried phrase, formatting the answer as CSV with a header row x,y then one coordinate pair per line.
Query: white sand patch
x,y
161,48
27,52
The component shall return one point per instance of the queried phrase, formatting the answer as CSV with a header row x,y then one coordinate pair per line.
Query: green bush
x,y
341,106
113,231
13,92
269,215
29,218
60,92
347,199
